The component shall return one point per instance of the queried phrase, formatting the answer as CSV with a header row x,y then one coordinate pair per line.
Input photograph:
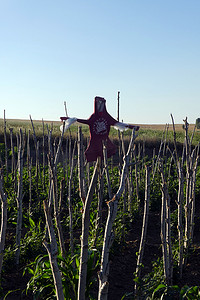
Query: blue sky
x,y
56,51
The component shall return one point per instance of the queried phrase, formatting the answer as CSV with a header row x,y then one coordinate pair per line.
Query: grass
x,y
147,132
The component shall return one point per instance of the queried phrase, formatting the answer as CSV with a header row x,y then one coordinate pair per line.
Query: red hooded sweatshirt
x,y
99,124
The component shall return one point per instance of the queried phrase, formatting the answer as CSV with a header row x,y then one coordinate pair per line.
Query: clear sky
x,y
74,50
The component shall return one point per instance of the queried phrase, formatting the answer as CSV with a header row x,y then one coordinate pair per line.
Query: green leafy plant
x,y
149,282
192,293
41,283
163,291
31,244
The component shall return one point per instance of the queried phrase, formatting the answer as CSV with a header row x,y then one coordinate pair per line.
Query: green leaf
x,y
161,286
32,223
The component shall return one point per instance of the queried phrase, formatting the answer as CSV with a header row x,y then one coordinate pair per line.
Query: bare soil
x,y
123,264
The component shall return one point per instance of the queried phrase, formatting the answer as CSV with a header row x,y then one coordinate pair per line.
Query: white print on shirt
x,y
100,126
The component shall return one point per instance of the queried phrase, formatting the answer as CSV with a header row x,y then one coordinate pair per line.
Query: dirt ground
x,y
123,264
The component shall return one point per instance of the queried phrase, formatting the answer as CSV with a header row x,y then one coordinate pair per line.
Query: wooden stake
x,y
108,235
52,251
4,205
144,226
85,234
19,198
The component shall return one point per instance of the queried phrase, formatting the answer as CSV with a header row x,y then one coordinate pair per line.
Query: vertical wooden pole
x,y
5,140
108,235
43,154
13,152
29,167
166,230
85,234
136,176
144,226
52,250
56,208
180,217
193,193
70,206
118,106
19,198
4,205
80,166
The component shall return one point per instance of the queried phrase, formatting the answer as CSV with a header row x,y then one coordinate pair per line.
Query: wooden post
x,y
118,106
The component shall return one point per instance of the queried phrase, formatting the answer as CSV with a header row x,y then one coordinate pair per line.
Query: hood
x,y
99,105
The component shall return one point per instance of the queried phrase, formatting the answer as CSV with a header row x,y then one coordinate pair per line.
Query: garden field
x,y
148,132
125,227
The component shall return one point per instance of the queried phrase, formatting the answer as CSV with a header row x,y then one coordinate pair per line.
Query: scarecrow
x,y
99,124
